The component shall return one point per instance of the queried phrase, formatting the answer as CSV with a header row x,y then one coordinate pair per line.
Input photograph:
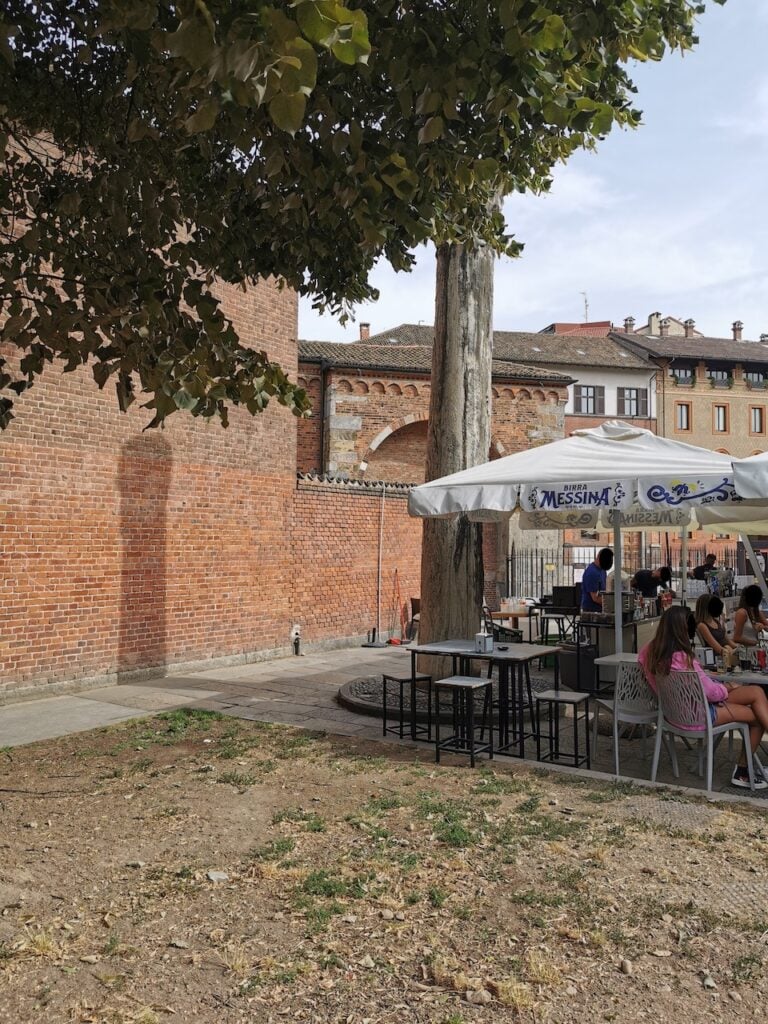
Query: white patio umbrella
x,y
615,474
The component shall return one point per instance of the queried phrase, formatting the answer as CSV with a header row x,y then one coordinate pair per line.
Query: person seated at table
x,y
700,572
749,620
594,580
648,581
709,624
670,651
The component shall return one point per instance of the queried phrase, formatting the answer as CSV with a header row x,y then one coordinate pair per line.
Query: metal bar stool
x,y
401,682
462,740
554,700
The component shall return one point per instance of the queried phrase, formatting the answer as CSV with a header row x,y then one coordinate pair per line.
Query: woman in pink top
x,y
670,651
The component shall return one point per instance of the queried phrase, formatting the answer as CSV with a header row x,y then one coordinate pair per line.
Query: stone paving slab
x,y
146,699
56,716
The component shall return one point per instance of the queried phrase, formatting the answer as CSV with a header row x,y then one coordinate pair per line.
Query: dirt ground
x,y
195,868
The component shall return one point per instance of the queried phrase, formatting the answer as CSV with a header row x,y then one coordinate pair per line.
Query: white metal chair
x,y
633,703
684,711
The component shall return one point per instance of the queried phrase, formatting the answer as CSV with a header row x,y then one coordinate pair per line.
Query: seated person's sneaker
x,y
740,779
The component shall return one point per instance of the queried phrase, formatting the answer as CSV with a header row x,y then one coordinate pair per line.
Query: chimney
x,y
664,327
365,332
689,327
737,327
629,325
653,323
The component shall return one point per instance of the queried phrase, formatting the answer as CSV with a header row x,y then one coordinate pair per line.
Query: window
x,y
756,419
682,374
632,401
720,378
589,400
720,419
682,415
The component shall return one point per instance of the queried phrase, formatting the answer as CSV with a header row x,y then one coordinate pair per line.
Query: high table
x,y
506,656
741,678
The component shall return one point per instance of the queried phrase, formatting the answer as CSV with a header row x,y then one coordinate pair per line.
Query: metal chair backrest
x,y
682,701
487,619
632,692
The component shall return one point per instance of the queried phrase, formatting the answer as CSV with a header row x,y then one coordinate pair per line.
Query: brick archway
x,y
495,451
388,431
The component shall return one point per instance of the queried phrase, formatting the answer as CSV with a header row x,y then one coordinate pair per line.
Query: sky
x,y
671,217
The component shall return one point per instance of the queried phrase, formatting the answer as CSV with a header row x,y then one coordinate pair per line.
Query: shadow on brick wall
x,y
144,481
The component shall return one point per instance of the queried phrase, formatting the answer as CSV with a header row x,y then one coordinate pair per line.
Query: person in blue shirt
x,y
594,579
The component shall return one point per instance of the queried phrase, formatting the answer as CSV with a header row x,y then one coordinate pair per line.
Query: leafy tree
x,y
149,146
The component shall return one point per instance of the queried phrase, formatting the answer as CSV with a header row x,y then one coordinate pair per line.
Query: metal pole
x,y
378,581
617,612
684,564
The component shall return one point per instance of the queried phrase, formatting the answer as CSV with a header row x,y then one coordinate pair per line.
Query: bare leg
x,y
729,712
754,698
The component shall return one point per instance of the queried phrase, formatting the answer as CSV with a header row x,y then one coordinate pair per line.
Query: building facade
x,y
371,402
711,392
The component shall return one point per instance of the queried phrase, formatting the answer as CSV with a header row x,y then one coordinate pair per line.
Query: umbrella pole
x,y
618,616
756,567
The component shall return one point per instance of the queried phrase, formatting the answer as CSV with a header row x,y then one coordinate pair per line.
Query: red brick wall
x,y
402,456
336,545
376,423
309,458
125,548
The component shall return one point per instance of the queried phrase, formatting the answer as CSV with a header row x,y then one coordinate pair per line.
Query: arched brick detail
x,y
388,431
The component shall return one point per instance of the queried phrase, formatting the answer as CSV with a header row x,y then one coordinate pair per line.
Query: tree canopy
x,y
151,146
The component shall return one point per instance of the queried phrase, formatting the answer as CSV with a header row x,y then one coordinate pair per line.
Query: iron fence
x,y
532,572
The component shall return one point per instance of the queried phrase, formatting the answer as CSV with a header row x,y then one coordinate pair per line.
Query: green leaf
x,y
203,118
183,400
318,21
287,111
431,131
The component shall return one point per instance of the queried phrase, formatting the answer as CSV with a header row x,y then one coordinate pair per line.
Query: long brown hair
x,y
701,611
671,636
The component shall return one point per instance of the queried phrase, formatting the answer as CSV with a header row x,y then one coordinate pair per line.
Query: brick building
x,y
372,405
128,550
125,550
710,391
604,379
